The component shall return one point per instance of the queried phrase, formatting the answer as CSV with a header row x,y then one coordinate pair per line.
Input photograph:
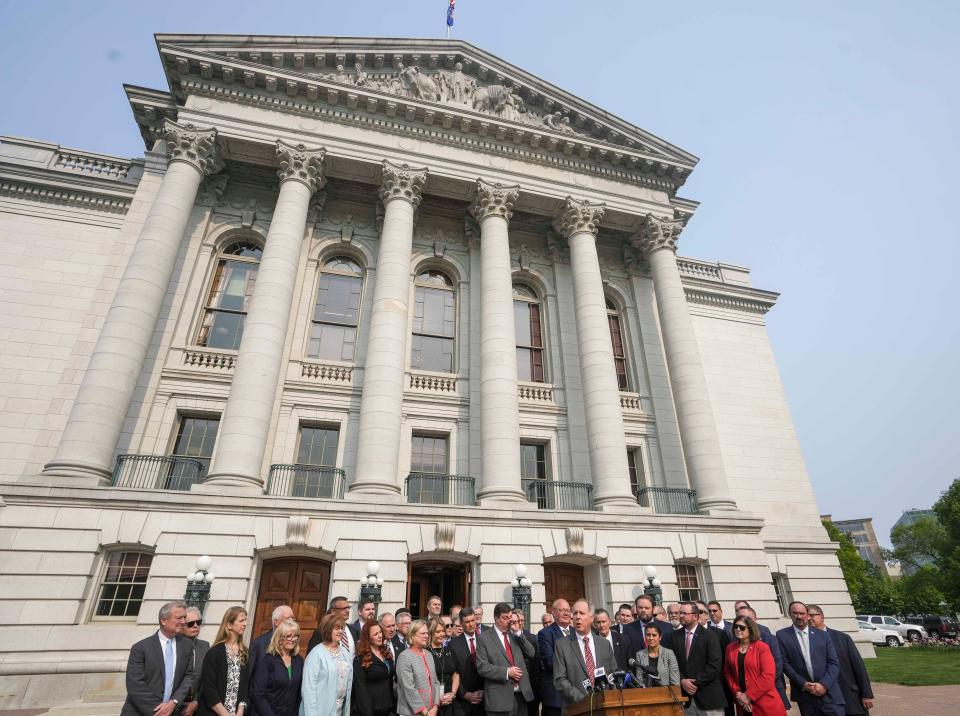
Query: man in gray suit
x,y
200,648
502,657
578,659
160,667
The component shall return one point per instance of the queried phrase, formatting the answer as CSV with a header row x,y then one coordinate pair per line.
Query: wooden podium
x,y
655,701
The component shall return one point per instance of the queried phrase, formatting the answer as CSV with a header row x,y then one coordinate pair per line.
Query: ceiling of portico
x,y
447,86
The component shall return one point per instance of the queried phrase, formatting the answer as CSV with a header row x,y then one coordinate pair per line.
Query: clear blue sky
x,y
828,139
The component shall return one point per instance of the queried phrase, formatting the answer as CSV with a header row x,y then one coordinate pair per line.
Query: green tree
x,y
920,593
876,593
947,510
851,564
923,542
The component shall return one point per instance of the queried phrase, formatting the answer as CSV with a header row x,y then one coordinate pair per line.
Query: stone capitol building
x,y
373,299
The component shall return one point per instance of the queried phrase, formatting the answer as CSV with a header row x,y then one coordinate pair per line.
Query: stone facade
x,y
429,156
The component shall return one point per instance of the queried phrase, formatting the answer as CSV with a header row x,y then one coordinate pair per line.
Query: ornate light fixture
x,y
198,584
521,591
371,586
651,584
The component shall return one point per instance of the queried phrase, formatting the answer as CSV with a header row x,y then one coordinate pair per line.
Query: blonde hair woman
x,y
275,683
223,686
418,689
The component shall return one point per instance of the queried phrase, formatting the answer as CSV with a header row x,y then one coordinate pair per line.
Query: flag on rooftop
x,y
450,9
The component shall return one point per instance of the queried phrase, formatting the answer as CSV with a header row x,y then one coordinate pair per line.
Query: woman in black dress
x,y
374,674
446,666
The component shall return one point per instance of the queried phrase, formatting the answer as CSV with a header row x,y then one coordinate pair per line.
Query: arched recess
x,y
301,582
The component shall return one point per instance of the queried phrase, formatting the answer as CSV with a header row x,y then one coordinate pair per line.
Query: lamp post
x,y
371,586
651,584
521,591
198,584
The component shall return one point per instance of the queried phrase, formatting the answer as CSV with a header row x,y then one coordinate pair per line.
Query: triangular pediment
x,y
447,84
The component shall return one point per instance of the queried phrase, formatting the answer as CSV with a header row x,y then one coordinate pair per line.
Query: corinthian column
x,y
90,436
499,410
577,221
242,439
381,407
698,430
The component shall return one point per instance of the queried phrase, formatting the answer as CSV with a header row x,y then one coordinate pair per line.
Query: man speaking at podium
x,y
581,658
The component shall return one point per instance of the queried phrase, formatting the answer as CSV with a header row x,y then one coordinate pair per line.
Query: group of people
x,y
454,665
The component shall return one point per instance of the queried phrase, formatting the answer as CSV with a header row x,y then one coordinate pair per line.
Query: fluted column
x,y
242,438
381,407
499,407
90,436
577,222
698,430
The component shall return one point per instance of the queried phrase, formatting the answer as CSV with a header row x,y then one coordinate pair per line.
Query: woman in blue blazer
x,y
275,682
327,673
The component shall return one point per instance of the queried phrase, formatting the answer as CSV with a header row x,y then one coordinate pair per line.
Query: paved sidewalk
x,y
896,700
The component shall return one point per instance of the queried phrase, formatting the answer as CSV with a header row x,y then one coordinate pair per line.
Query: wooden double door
x,y
563,581
301,583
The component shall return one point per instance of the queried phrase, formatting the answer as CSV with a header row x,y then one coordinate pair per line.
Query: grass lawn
x,y
914,667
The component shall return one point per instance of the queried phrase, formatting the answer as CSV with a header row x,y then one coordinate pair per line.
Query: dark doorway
x,y
448,580
301,583
563,581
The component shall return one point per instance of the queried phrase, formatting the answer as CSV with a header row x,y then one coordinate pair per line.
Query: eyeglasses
x,y
741,627
292,636
713,610
703,611
195,622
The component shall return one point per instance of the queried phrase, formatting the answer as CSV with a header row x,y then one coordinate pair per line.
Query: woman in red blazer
x,y
750,672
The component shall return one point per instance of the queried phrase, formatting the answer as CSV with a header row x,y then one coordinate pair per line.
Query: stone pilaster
x,y
499,408
241,443
577,221
698,431
90,436
381,406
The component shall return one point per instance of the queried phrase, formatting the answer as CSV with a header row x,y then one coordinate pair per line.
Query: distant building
x,y
863,536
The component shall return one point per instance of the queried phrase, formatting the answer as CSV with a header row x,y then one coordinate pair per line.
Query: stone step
x,y
81,708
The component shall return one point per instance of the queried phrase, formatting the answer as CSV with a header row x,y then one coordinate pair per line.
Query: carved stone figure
x,y
492,98
559,123
419,85
346,229
361,77
339,76
459,87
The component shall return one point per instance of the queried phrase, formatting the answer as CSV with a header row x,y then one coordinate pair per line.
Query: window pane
x,y
524,364
634,459
533,461
125,578
428,353
338,299
318,446
428,454
196,438
521,318
332,342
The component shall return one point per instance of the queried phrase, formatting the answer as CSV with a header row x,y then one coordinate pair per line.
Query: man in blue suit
x,y
810,662
546,641
636,630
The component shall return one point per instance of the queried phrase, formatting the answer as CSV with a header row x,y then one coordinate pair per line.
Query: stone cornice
x,y
54,195
742,299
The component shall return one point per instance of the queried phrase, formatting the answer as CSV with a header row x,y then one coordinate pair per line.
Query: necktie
x,y
393,654
565,630
473,652
508,648
588,658
344,639
168,671
643,634
689,642
805,648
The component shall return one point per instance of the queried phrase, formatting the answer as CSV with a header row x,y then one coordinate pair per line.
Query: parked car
x,y
941,627
879,635
913,632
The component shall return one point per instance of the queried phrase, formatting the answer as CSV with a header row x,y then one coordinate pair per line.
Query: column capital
x,y
657,232
575,216
401,181
302,164
494,199
194,145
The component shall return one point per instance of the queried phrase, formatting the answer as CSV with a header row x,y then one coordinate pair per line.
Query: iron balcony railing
x,y
157,472
306,481
669,500
558,495
432,489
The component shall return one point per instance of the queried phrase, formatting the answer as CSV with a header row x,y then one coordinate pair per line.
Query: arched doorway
x,y
563,581
448,580
303,584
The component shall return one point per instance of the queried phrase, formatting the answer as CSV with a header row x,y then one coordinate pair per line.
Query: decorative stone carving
x,y
401,181
195,146
634,261
557,248
317,202
445,535
471,232
297,163
212,189
657,232
297,528
346,229
574,537
576,216
494,200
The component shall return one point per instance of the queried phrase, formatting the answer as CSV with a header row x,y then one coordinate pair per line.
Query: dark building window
x,y
529,328
333,330
434,323
123,585
230,294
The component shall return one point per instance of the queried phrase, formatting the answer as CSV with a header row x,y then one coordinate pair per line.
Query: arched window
x,y
434,322
526,313
616,339
333,330
230,295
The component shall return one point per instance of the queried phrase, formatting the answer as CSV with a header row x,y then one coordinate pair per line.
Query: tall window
x,y
635,468
689,583
121,591
533,473
434,323
333,331
616,339
781,588
196,437
230,295
429,454
318,446
527,317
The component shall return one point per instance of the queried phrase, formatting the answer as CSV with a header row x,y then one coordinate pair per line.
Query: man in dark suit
x,y
636,630
366,611
715,612
770,639
582,658
701,663
536,671
258,647
622,651
160,667
191,631
623,617
341,607
810,662
502,658
546,640
393,641
469,699
854,680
